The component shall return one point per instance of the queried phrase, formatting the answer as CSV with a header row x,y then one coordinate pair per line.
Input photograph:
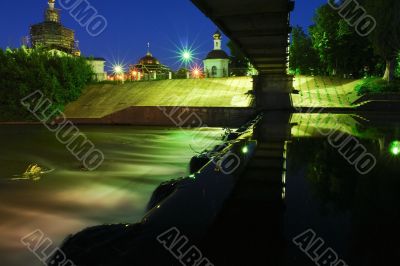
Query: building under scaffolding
x,y
52,35
149,68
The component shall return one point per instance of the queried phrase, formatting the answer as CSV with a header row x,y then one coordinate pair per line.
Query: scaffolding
x,y
148,72
51,34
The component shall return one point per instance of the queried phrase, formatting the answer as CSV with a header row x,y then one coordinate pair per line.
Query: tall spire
x,y
148,49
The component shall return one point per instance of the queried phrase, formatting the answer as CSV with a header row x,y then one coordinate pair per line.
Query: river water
x,y
68,199
355,214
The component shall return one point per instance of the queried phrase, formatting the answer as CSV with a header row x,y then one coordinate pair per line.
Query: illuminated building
x,y
149,68
216,64
52,35
98,66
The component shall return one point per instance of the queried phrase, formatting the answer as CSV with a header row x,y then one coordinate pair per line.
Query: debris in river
x,y
34,172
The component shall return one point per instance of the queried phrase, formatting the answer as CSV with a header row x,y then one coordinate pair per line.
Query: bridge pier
x,y
272,92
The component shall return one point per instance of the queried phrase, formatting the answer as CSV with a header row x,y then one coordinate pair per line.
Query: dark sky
x,y
166,24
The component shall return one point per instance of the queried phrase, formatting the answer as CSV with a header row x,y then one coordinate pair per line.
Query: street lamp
x,y
119,70
186,56
395,148
196,72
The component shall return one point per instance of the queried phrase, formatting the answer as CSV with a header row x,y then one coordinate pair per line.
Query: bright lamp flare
x,y
186,52
196,72
187,56
245,150
118,69
395,148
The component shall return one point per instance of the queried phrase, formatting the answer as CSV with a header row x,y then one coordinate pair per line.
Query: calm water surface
x,y
356,214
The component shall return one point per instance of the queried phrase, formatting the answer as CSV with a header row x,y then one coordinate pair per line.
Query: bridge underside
x,y
261,30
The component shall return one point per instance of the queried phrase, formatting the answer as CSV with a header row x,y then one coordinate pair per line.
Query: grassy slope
x,y
325,92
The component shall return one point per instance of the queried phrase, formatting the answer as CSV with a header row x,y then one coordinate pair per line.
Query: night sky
x,y
131,25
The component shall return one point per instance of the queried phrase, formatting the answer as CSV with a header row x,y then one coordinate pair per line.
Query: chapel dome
x,y
217,54
149,59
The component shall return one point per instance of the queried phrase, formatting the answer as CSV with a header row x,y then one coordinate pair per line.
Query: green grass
x,y
376,86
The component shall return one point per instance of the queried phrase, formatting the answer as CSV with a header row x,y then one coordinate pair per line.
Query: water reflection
x,y
358,215
355,214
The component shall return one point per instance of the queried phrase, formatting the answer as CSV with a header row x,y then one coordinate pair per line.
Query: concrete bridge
x,y
261,30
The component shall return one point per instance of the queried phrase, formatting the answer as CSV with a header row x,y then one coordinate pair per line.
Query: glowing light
x,y
395,148
186,53
118,69
119,72
245,150
187,56
196,72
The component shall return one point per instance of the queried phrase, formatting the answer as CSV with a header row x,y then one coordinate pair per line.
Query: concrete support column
x,y
275,126
272,92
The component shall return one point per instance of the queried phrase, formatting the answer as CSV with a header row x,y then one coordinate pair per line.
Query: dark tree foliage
x,y
341,50
181,73
23,71
303,57
385,37
239,63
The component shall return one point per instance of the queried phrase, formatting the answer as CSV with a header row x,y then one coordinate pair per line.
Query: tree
x,y
386,35
181,73
355,53
303,58
340,49
323,34
23,71
239,62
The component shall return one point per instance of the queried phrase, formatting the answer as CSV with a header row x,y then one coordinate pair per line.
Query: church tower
x,y
217,41
51,34
52,14
216,64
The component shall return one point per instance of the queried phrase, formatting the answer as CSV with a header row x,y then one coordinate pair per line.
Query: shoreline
x,y
190,117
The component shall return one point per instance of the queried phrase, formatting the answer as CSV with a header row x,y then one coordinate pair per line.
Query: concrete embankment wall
x,y
101,100
212,102
187,117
